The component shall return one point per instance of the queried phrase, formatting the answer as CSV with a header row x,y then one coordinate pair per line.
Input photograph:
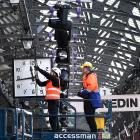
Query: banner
x,y
121,103
76,135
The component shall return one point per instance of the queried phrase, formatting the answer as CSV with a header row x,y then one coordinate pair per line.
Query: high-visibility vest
x,y
52,92
90,82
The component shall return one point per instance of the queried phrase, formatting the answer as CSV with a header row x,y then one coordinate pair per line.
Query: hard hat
x,y
87,64
57,71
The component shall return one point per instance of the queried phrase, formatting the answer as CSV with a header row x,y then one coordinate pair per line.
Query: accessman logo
x,y
75,136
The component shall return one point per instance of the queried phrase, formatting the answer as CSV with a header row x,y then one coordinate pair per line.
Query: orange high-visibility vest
x,y
90,82
52,92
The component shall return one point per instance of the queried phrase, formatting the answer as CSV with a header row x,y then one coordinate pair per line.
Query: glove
x,y
83,94
79,94
61,95
36,68
36,77
84,91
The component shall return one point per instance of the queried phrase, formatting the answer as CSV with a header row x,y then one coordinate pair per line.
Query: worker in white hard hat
x,y
53,90
90,93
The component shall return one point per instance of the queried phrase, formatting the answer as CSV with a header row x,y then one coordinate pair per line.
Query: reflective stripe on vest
x,y
54,89
52,92
52,96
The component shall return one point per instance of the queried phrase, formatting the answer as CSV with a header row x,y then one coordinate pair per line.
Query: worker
x,y
89,91
53,90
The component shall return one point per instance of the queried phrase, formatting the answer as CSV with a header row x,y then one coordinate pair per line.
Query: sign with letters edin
x,y
24,77
121,103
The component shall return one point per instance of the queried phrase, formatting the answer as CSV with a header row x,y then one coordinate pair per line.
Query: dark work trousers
x,y
89,110
53,110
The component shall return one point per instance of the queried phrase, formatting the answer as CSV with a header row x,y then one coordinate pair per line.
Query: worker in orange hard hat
x,y
90,91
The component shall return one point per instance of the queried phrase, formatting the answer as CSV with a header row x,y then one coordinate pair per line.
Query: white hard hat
x,y
57,71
